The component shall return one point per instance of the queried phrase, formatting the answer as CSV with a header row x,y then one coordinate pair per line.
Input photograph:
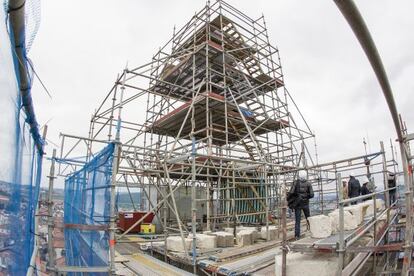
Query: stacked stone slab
x,y
204,241
356,211
364,206
350,222
224,239
245,237
255,233
320,226
272,232
379,204
252,230
231,230
175,243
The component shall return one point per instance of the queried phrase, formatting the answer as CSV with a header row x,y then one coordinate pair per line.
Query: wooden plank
x,y
87,227
243,251
89,269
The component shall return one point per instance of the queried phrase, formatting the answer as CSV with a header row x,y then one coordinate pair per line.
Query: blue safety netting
x,y
21,154
32,20
87,211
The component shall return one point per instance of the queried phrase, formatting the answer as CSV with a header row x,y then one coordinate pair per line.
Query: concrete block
x,y
175,243
224,239
244,237
307,264
320,226
356,211
350,222
272,232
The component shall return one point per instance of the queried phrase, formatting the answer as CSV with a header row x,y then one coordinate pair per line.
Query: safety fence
x,y
87,211
21,147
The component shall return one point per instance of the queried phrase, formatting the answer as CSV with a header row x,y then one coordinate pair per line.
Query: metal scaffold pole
x,y
112,225
115,166
50,219
194,209
341,242
284,230
217,123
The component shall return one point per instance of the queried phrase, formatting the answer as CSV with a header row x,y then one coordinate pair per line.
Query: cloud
x,y
82,45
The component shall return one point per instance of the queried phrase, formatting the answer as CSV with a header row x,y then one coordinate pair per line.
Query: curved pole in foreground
x,y
356,22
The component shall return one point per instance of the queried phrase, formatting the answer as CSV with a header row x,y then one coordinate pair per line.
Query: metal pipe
x,y
356,22
374,261
284,231
32,266
50,221
364,196
112,203
194,207
341,244
18,38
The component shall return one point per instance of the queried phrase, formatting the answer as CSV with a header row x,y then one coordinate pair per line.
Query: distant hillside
x,y
123,198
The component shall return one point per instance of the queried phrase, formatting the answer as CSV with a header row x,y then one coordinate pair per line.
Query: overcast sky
x,y
82,45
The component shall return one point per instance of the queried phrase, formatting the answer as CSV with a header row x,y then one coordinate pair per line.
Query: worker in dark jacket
x,y
354,188
298,198
364,189
392,183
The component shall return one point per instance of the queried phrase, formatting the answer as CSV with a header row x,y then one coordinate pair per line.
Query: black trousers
x,y
298,215
393,197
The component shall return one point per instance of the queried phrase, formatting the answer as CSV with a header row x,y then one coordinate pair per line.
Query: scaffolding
x,y
210,118
377,232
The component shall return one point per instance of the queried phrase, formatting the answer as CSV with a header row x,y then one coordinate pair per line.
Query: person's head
x,y
365,180
302,174
391,175
351,175
344,183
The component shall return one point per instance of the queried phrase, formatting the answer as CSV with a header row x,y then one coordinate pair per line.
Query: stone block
x,y
356,211
230,229
272,232
175,243
320,226
253,230
204,241
350,222
369,206
244,237
224,239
